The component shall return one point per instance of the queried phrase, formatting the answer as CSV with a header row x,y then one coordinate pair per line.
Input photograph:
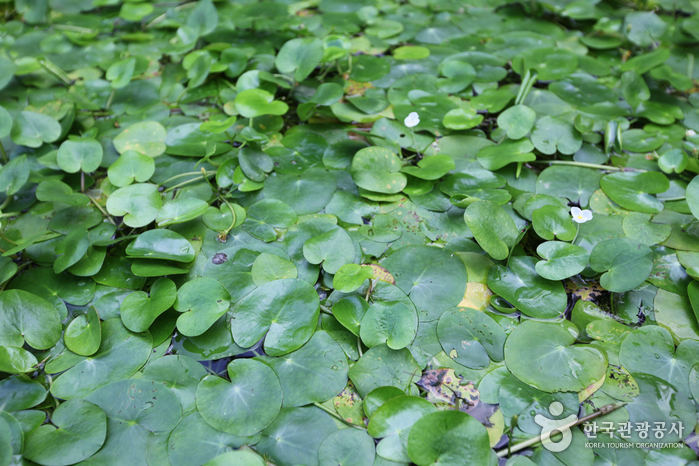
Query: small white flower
x,y
412,120
690,132
580,216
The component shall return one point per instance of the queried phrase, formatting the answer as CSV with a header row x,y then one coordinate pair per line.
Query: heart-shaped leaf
x,y
84,335
632,190
349,277
471,337
161,244
492,227
180,211
392,323
626,264
284,310
246,404
300,57
252,103
79,155
333,249
139,310
316,372
25,317
139,204
77,430
505,153
146,137
562,260
129,167
378,169
543,355
522,287
517,120
202,301
32,129
551,135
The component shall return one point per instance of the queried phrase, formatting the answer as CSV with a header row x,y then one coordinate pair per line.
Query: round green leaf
x,y
378,169
33,129
295,436
552,221
270,267
139,204
145,403
201,301
83,335
632,190
381,366
350,311
577,184
252,103
349,277
651,350
492,227
551,135
411,53
333,249
79,155
77,430
222,218
316,372
693,196
518,121
15,360
194,441
522,287
448,438
71,249
120,355
266,215
459,119
543,355
638,227
392,423
392,323
431,168
245,405
434,279
562,260
347,447
161,244
146,137
129,167
471,337
306,193
25,317
285,310
300,57
181,210
139,310
505,153
626,264
14,174
18,393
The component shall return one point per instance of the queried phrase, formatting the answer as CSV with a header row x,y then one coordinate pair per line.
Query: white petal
x,y
587,215
575,211
412,120
577,219
690,132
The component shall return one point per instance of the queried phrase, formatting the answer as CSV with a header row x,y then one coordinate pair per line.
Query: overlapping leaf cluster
x,y
236,183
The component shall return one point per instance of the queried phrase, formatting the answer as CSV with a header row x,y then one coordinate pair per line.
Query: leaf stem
x,y
546,435
104,212
588,165
3,153
576,234
49,66
183,174
186,182
337,416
